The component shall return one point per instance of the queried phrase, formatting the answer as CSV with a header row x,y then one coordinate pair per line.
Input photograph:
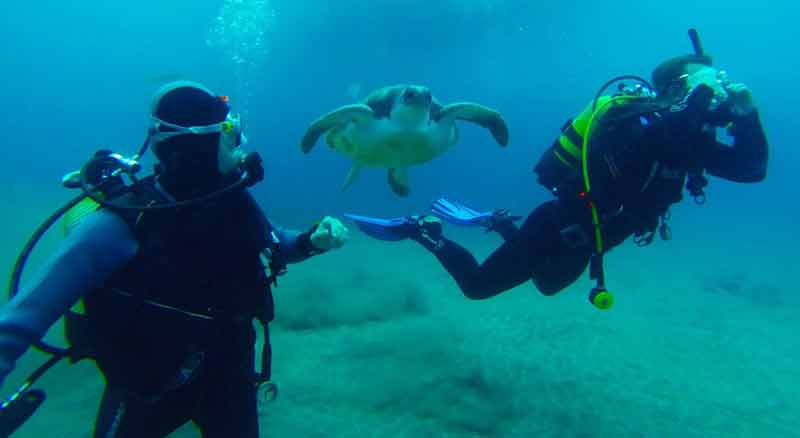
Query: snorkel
x,y
694,37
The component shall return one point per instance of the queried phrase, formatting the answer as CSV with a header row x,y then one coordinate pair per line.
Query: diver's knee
x,y
548,289
478,292
474,294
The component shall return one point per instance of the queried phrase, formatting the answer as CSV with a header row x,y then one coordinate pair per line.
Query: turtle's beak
x,y
417,96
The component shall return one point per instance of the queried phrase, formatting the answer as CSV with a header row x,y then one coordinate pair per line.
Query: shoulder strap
x,y
633,109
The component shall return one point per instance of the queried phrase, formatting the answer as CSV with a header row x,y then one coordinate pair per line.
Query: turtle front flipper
x,y
478,114
341,116
398,181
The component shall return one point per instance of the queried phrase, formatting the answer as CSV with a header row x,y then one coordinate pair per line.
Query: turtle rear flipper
x,y
480,115
342,115
398,181
351,176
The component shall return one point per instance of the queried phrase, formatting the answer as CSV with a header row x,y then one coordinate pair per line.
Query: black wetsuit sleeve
x,y
295,245
97,248
746,160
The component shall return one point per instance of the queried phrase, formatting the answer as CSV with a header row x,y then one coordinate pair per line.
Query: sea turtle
x,y
396,127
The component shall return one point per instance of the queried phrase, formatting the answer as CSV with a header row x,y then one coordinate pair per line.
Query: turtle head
x,y
412,106
416,95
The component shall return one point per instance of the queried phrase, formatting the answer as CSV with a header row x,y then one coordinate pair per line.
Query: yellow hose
x,y
598,236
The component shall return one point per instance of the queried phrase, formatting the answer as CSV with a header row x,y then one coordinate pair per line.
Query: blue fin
x,y
384,229
459,214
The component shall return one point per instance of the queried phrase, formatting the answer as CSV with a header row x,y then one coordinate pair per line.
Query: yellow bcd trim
x,y
569,147
579,127
73,217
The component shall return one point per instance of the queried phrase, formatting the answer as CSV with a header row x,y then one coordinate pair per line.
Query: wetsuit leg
x,y
124,416
536,252
229,406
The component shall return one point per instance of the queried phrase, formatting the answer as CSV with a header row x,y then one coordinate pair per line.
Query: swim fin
x,y
459,214
393,229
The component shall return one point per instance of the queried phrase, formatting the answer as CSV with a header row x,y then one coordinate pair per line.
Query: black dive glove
x,y
501,218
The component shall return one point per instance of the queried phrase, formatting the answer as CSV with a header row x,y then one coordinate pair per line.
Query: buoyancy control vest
x,y
200,276
624,161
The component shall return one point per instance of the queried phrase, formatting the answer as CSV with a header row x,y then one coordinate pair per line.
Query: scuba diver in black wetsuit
x,y
615,170
170,271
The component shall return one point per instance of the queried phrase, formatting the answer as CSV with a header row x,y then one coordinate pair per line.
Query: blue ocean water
x,y
78,76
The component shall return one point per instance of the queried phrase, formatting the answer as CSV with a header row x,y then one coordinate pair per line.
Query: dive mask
x,y
230,131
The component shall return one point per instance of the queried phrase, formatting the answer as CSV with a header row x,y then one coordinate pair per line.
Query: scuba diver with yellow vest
x,y
615,170
171,270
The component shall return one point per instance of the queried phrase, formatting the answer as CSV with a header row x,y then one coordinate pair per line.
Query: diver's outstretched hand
x,y
329,234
